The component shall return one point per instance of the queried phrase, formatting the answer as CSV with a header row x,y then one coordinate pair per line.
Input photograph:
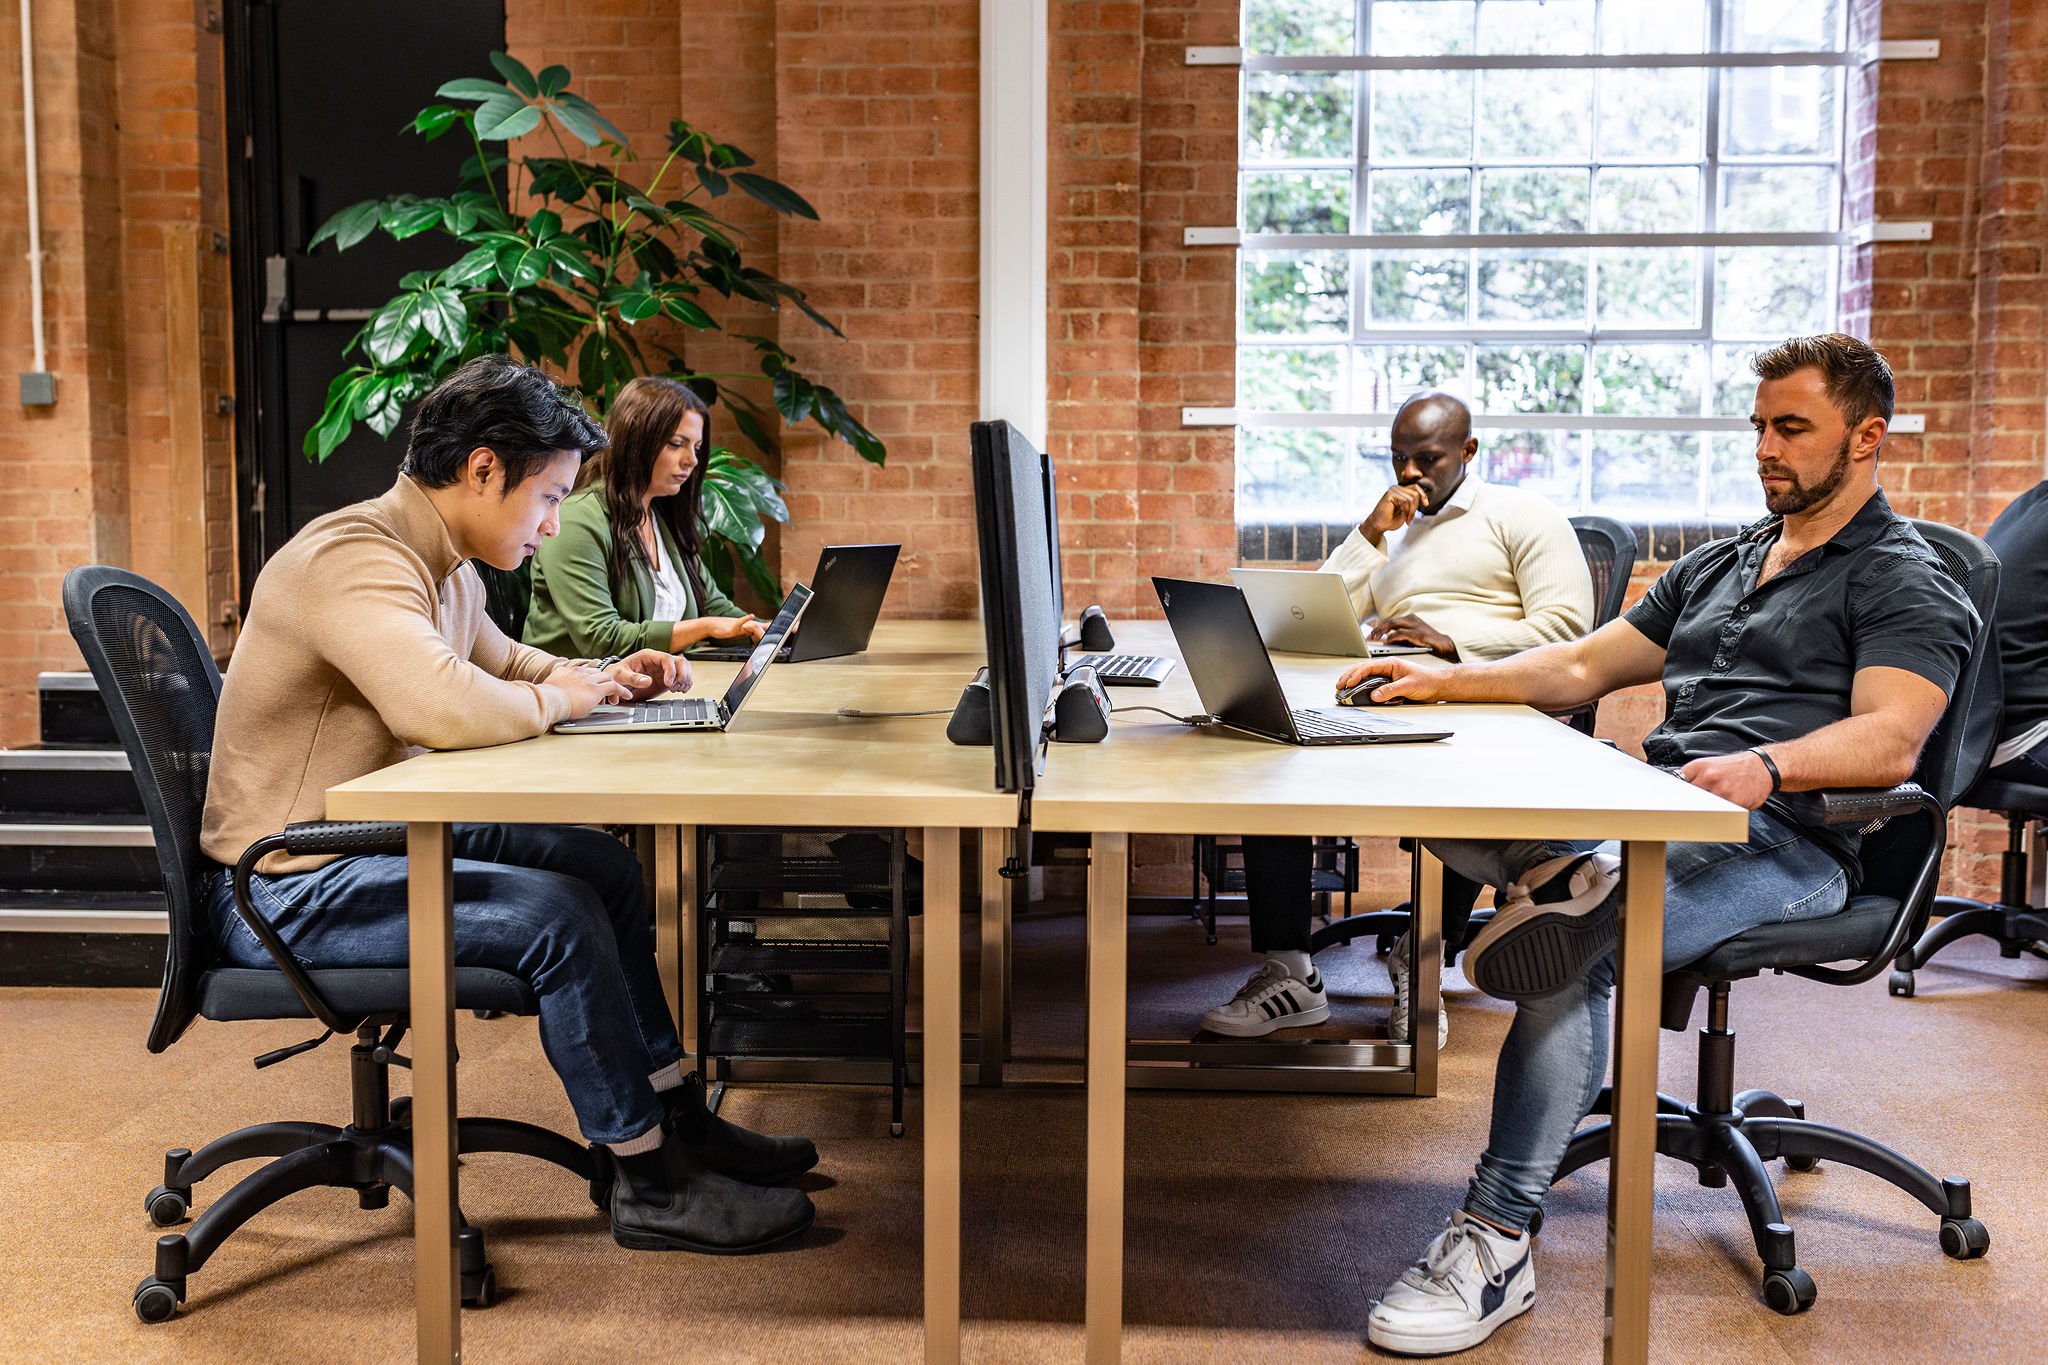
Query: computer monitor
x,y
1019,610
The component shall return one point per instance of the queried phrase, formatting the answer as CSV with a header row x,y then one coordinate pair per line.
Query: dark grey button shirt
x,y
1747,665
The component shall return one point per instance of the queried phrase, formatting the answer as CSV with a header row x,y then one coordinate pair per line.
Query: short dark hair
x,y
493,400
1857,379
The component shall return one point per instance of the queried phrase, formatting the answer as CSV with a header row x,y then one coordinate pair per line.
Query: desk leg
x,y
437,1282
1639,985
668,959
1426,962
942,914
1108,887
995,956
689,902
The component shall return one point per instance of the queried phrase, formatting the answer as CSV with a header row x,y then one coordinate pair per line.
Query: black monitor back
x,y
1018,611
849,586
1052,537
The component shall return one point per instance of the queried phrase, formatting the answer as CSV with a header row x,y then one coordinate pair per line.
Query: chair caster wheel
x,y
1535,1222
156,1301
480,1291
1802,1163
1900,984
167,1207
1384,944
401,1111
1964,1238
895,1130
1789,1291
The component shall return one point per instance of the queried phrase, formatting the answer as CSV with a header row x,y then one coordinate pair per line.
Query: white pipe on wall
x,y
35,224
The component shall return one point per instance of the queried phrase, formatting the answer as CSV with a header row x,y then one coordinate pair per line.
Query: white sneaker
x,y
1397,1023
1536,947
1472,1279
1271,1000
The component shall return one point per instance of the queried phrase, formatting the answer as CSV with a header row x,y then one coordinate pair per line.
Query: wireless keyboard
x,y
1127,670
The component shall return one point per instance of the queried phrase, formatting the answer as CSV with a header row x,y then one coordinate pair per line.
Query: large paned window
x,y
1582,216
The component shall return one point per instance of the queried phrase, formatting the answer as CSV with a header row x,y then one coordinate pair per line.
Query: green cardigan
x,y
580,612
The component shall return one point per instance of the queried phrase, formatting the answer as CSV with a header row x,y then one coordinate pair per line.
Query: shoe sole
x,y
1422,1345
651,1241
1259,1028
1542,953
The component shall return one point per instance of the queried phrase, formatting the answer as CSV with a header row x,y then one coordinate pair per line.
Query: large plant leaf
x,y
501,120
444,316
516,74
410,220
774,194
580,124
349,226
794,395
731,512
394,329
553,80
522,265
742,472
470,88
576,103
385,404
435,120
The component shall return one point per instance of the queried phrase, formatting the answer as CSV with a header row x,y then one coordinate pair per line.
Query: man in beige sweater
x,y
1465,569
366,642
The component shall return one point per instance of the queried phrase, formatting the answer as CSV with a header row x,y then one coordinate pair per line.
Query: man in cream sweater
x,y
1465,569
366,641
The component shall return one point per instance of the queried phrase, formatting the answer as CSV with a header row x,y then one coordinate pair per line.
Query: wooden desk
x,y
1508,772
790,761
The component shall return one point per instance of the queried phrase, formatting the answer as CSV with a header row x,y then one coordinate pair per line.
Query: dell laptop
x,y
698,713
1307,611
1232,672
848,587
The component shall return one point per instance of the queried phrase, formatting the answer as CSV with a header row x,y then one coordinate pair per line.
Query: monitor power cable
x,y
856,713
1201,718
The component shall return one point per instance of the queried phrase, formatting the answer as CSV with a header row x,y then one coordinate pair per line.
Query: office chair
x,y
162,689
1610,549
1725,1135
2015,922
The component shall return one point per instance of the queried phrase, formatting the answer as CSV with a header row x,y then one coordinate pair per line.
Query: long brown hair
x,y
643,418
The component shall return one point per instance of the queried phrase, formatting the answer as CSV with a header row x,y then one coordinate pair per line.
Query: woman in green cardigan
x,y
623,573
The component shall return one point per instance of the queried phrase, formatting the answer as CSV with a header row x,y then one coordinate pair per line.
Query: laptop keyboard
x,y
658,712
1141,670
1320,723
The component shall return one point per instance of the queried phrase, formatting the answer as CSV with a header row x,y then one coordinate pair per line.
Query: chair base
x,y
372,1156
1724,1137
2015,928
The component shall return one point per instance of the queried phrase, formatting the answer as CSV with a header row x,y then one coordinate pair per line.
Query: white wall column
x,y
1015,59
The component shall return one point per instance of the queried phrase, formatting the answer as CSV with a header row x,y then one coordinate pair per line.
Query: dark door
x,y
321,100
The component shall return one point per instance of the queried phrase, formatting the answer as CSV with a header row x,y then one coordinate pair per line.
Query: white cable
x,y
35,227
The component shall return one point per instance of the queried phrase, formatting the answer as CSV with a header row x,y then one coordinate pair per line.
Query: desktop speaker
x,y
1080,713
1095,633
972,722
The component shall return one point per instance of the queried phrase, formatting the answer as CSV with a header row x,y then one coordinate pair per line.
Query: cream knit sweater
x,y
366,642
1498,570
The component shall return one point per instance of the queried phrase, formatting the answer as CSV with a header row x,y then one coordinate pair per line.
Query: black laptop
x,y
1219,640
846,601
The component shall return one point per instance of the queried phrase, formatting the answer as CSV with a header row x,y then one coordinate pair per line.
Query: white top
x,y
669,597
1498,570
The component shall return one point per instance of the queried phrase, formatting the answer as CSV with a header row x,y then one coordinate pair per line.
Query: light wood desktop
x,y
1507,772
789,761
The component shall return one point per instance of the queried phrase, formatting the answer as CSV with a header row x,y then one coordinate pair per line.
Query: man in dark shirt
x,y
2020,536
1816,649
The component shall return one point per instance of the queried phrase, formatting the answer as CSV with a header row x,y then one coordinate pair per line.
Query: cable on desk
x,y
859,714
1203,718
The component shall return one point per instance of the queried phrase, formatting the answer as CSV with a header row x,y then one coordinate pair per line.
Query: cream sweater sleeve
x,y
1358,559
367,608
1551,576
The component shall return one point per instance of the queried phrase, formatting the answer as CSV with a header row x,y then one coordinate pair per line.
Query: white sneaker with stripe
x,y
1271,999
1397,1022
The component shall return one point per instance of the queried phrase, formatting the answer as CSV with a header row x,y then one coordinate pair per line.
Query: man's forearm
x,y
1549,678
1859,751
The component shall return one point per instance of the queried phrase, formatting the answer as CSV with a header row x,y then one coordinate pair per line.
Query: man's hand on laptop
x,y
587,686
651,672
735,628
1413,630
1406,680
1395,509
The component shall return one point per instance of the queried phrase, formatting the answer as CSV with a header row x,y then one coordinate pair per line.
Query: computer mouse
x,y
1364,692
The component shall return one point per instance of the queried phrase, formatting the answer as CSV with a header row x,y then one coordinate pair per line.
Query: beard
x,y
1787,502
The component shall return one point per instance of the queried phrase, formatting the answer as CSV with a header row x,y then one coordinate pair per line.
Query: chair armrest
x,y
308,837
317,837
1856,805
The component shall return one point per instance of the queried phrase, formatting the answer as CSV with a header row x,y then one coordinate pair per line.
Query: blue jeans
x,y
562,908
1555,1057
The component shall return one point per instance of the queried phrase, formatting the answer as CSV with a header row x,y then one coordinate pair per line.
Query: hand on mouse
x,y
1405,680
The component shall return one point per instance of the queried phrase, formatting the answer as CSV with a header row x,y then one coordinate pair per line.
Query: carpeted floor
x,y
1259,1226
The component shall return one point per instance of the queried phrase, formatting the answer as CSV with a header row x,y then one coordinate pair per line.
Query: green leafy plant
x,y
566,261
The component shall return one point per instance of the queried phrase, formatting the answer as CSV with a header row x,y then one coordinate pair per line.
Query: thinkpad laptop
x,y
1307,611
1235,677
848,590
698,713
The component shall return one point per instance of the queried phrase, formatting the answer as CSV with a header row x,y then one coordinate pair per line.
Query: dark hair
x,y
516,410
1858,381
643,418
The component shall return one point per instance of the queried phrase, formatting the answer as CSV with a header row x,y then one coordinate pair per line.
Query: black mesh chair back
x,y
1958,751
1610,549
161,687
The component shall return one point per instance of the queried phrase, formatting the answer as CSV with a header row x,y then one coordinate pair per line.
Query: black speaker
x,y
972,722
1080,714
1095,633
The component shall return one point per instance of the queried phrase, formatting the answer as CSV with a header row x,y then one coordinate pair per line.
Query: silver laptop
x,y
1307,611
698,713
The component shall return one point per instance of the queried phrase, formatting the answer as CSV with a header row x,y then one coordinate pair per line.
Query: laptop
x,y
848,587
698,713
1234,675
1307,611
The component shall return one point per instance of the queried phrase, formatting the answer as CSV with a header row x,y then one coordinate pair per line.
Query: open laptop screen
x,y
764,651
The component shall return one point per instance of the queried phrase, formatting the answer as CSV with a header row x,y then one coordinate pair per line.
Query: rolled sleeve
x,y
1906,612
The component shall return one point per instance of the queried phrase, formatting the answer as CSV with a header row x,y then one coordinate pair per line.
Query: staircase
x,y
81,901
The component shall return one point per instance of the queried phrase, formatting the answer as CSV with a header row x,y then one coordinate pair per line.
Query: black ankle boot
x,y
664,1201
722,1146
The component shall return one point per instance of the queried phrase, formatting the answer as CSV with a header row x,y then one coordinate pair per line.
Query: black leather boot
x,y
665,1201
722,1146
